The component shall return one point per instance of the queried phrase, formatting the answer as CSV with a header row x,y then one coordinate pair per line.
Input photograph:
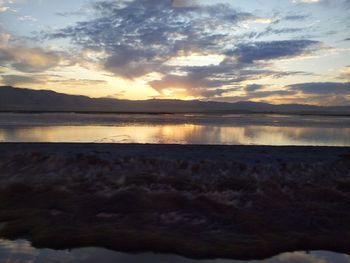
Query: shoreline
x,y
318,114
199,201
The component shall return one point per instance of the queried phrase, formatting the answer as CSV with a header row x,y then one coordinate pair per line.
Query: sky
x,y
277,51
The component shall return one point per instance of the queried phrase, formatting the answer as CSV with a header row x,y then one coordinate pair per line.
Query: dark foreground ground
x,y
239,202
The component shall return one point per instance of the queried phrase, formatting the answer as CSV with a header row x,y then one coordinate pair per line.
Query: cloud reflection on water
x,y
180,134
21,251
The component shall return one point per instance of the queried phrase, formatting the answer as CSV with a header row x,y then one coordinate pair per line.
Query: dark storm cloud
x,y
269,50
322,88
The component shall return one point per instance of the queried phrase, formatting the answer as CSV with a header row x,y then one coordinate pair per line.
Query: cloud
x,y
214,93
4,38
26,59
326,3
263,96
29,59
283,20
269,93
295,17
322,93
307,1
4,5
277,31
77,82
45,79
258,91
201,81
184,3
14,80
27,18
253,87
269,50
141,36
346,3
330,93
322,88
301,257
345,73
4,8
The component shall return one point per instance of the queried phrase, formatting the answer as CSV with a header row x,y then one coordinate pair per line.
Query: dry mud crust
x,y
238,202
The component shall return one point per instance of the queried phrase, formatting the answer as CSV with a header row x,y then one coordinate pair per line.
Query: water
x,y
239,129
21,251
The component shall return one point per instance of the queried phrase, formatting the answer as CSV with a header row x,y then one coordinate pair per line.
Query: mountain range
x,y
26,100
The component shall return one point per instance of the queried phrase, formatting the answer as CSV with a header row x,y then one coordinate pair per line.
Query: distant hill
x,y
19,99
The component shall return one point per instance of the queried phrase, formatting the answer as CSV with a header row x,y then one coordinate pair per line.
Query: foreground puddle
x,y
21,251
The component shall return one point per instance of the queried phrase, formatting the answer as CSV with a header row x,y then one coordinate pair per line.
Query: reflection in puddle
x,y
21,251
180,134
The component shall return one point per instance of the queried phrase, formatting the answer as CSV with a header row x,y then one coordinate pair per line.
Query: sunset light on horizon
x,y
274,51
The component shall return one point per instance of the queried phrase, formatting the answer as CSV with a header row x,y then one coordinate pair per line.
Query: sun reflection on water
x,y
180,134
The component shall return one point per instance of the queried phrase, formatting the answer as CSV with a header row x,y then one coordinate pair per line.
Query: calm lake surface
x,y
239,129
21,251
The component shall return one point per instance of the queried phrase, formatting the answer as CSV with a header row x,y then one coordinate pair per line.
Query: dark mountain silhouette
x,y
19,99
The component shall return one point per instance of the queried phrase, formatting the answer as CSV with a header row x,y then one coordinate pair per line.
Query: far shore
x,y
199,201
329,114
